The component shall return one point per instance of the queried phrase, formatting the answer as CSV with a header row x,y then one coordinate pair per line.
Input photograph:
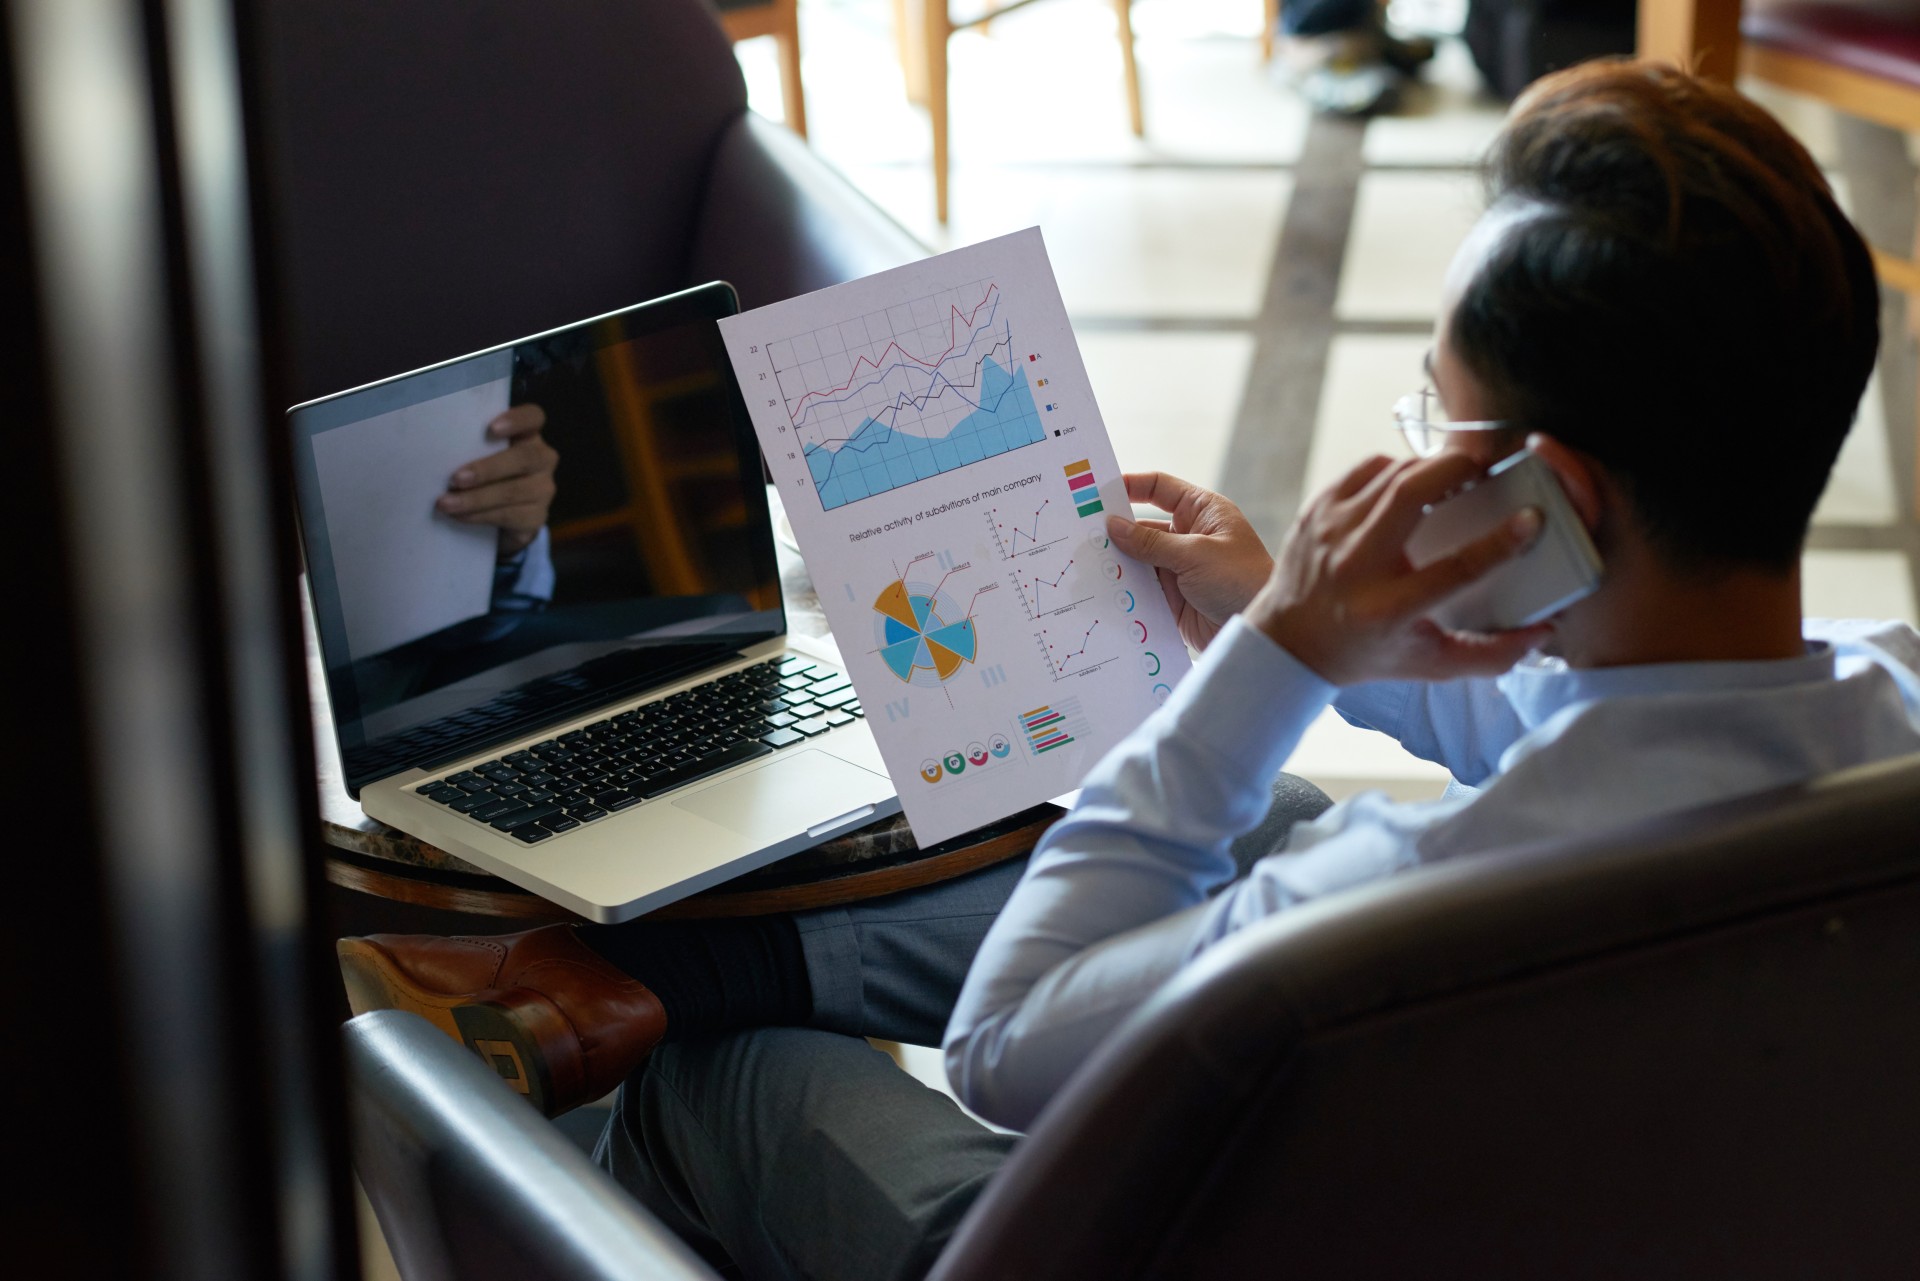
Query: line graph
x,y
1068,656
1044,597
882,400
1007,532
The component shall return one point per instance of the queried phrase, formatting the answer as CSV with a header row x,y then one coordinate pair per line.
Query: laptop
x,y
614,716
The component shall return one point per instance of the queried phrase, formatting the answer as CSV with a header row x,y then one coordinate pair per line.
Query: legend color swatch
x,y
1080,483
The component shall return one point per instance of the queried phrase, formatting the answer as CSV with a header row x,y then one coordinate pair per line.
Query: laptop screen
x,y
650,555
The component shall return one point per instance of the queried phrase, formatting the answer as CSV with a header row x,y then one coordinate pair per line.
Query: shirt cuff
x,y
1248,701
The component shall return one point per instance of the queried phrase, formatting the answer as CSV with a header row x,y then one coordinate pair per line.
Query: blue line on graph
x,y
880,376
878,458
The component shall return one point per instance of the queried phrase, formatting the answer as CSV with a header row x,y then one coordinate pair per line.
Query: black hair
x,y
1687,306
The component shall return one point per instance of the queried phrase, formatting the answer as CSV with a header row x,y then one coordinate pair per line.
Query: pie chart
x,y
921,633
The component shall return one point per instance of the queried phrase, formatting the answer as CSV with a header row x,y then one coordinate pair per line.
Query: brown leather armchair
x,y
443,175
1685,1048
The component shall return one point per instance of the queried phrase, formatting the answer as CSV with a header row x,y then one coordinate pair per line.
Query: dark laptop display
x,y
655,559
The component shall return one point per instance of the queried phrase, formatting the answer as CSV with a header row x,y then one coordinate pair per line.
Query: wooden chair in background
x,y
745,19
924,27
1862,58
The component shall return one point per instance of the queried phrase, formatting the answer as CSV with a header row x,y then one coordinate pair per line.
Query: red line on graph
x,y
953,340
976,596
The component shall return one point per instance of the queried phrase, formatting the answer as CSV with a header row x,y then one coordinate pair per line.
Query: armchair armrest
x,y
470,1182
776,221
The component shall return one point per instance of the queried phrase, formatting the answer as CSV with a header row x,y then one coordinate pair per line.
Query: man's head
x,y
1664,284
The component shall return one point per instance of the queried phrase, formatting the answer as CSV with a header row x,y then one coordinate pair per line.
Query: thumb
x,y
1147,542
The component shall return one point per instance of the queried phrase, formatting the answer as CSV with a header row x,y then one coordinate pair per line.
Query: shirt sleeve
x,y
1148,840
1462,725
524,581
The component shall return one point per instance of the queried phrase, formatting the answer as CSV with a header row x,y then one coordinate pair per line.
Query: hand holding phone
x,y
1561,566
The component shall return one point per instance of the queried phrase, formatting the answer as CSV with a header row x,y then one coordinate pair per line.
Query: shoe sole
x,y
515,1031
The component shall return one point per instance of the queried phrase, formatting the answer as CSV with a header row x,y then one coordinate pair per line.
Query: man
x,y
1665,305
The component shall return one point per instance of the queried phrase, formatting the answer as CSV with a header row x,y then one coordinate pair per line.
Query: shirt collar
x,y
1540,687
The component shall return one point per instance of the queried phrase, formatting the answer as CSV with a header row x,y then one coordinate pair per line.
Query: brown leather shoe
x,y
558,1022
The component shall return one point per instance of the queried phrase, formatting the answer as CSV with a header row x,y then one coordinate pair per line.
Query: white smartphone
x,y
1560,568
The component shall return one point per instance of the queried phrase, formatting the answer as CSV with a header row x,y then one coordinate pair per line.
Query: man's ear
x,y
1576,476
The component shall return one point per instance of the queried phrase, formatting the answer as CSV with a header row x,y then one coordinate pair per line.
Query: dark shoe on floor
x,y
554,1019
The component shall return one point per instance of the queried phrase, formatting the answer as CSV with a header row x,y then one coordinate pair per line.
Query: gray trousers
x,y
804,1152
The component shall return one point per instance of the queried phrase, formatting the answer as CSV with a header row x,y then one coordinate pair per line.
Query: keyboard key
x,y
804,710
586,813
839,699
854,707
712,763
509,789
487,813
828,685
780,720
443,795
836,717
559,823
530,833
781,737
473,802
791,665
536,796
520,760
811,727
463,776
516,818
796,681
615,798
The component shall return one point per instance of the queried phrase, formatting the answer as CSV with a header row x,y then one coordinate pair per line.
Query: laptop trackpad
x,y
792,796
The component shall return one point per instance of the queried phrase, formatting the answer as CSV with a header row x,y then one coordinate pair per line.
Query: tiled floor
x,y
1167,250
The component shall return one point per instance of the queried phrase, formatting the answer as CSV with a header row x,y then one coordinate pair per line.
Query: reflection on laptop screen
x,y
654,559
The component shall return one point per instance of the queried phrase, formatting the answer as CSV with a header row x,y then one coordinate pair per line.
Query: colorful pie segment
x,y
915,637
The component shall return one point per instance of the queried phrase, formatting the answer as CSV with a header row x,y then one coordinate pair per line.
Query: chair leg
x,y
913,54
936,27
792,94
1123,10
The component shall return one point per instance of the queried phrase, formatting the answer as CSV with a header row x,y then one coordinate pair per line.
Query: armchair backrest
x,y
447,174
1687,1048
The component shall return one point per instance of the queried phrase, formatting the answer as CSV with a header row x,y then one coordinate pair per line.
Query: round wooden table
x,y
382,879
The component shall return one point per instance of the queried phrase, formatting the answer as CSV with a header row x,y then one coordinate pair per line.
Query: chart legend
x,y
1083,487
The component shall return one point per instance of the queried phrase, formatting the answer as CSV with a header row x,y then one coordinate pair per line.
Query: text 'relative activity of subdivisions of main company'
x,y
947,474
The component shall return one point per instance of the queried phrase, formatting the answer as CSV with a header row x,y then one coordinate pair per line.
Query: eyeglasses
x,y
1423,420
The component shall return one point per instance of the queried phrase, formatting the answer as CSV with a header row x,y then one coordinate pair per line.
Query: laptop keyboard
x,y
580,777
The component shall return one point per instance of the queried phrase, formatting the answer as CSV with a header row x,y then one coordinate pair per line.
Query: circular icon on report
x,y
999,745
1099,542
1140,632
1161,693
1111,568
930,771
954,762
976,753
1149,662
1124,599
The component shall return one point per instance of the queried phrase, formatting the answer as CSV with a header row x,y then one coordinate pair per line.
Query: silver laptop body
x,y
616,717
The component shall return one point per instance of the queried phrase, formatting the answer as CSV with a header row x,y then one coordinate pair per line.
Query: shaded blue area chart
x,y
906,394
877,457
